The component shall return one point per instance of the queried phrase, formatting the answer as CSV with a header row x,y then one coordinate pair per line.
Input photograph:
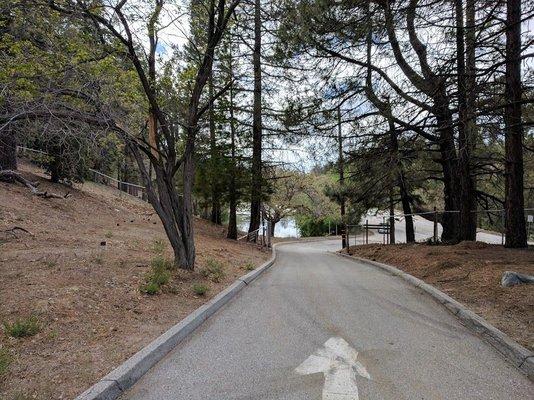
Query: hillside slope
x,y
85,294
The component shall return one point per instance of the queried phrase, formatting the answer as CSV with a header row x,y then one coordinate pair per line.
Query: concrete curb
x,y
124,376
513,352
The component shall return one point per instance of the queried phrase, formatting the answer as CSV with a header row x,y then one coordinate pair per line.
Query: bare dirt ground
x,y
86,296
470,272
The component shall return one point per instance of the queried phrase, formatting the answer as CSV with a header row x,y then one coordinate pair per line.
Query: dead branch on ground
x,y
13,176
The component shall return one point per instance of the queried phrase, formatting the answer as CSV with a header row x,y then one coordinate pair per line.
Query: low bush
x,y
249,267
200,289
23,327
150,288
214,270
158,276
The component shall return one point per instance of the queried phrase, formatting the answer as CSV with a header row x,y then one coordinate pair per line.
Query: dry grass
x,y
86,295
471,272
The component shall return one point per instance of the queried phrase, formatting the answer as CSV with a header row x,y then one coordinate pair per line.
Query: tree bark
x,y
467,204
406,209
256,181
516,236
391,218
232,198
8,148
215,198
341,172
433,86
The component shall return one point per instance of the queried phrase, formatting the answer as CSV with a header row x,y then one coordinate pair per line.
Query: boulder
x,y
510,278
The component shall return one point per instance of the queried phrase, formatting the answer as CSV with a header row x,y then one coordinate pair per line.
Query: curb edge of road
x,y
120,379
513,352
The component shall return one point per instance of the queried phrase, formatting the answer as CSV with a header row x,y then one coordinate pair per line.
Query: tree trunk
x,y
341,172
187,205
256,181
516,236
232,198
55,168
391,218
273,225
466,203
449,168
406,209
215,198
8,148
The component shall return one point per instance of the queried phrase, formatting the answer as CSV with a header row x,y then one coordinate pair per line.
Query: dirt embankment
x,y
470,272
85,295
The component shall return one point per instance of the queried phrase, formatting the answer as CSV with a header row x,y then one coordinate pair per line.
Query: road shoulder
x,y
514,353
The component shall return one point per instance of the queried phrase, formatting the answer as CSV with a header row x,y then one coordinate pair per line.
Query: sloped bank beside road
x,y
86,297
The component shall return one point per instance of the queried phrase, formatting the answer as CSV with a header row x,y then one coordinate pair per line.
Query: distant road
x,y
424,229
318,326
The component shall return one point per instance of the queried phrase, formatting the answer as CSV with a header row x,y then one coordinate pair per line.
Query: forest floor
x,y
85,296
470,272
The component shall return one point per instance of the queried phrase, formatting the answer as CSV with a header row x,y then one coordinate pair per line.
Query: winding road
x,y
319,326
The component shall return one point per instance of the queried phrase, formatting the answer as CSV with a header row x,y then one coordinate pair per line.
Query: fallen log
x,y
11,176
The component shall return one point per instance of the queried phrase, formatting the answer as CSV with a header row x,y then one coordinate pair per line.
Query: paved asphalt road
x,y
409,346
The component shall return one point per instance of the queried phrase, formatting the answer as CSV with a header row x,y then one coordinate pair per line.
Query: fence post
x,y
435,225
503,226
366,231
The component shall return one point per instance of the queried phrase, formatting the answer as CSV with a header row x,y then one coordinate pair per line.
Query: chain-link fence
x,y
375,228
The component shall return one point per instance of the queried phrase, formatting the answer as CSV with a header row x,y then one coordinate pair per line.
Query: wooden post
x,y
366,231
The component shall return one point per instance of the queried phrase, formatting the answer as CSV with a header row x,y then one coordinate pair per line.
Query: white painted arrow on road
x,y
337,361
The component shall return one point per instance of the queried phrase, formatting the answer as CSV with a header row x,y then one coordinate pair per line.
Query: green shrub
x,y
311,226
109,234
23,327
160,270
158,276
200,289
150,288
249,266
214,270
5,361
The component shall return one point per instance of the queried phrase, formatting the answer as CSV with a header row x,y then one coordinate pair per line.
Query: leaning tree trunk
x,y
256,181
516,235
8,148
